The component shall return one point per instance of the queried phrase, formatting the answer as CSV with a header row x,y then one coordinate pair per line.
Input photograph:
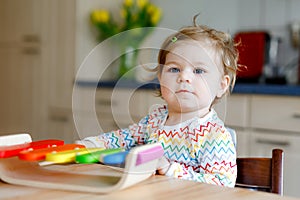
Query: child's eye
x,y
174,70
198,71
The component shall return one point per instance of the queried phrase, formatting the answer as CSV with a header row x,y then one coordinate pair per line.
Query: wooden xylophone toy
x,y
25,162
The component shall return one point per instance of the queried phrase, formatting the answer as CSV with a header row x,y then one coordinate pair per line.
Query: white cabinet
x,y
37,47
20,60
262,143
61,125
58,75
276,113
275,123
265,122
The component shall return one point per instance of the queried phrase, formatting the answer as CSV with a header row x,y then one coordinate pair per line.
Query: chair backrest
x,y
262,174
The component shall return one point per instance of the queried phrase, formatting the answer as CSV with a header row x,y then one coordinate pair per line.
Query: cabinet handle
x,y
296,115
272,142
106,102
31,38
31,50
59,118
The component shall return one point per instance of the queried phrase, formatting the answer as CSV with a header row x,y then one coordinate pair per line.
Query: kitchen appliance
x,y
295,40
253,47
258,58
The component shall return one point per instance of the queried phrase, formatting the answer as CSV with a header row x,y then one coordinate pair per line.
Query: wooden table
x,y
156,187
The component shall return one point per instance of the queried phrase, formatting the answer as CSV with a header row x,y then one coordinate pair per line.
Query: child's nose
x,y
184,76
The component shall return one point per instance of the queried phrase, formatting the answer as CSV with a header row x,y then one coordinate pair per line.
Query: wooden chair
x,y
262,174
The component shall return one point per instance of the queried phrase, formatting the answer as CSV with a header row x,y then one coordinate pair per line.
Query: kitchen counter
x,y
240,88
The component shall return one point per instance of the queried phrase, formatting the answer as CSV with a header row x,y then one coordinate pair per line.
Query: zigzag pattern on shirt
x,y
217,178
219,148
114,140
157,116
202,151
128,139
170,134
139,137
222,168
213,158
153,123
185,130
191,174
172,141
218,166
174,148
175,155
194,168
203,130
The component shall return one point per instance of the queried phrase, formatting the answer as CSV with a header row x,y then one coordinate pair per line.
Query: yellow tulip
x,y
155,17
151,9
141,13
100,16
128,3
142,3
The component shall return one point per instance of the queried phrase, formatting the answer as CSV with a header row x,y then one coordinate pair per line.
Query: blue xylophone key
x,y
114,159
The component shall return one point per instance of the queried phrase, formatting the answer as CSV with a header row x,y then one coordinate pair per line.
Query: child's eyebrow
x,y
172,62
202,64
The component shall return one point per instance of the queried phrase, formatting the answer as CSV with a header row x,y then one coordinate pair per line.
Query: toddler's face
x,y
192,77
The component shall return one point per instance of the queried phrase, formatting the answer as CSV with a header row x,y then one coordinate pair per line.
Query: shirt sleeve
x,y
217,163
121,138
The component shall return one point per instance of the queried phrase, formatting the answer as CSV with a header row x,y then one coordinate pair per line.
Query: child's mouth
x,y
183,91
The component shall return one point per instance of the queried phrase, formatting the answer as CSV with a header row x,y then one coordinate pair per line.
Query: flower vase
x,y
128,62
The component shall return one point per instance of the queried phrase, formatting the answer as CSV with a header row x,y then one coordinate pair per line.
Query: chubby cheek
x,y
166,86
209,86
166,92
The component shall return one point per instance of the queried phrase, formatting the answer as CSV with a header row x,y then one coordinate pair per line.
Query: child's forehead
x,y
191,42
197,50
203,45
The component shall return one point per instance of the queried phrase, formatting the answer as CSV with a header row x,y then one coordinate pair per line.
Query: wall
x,y
229,15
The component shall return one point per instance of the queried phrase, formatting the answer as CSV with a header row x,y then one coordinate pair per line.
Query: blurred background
x,y
43,43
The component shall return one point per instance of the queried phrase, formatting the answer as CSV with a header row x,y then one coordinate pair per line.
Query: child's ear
x,y
224,85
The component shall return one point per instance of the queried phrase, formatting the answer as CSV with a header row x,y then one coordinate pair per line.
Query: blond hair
x,y
221,41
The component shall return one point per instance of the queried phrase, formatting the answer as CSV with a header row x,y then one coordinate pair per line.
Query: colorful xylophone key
x,y
14,150
116,159
68,156
40,154
95,156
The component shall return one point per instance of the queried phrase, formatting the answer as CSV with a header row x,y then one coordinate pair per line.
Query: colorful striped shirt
x,y
199,149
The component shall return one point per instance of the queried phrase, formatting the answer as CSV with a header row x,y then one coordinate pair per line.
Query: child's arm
x,y
217,163
122,138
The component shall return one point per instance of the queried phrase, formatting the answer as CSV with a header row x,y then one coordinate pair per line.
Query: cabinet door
x,y
242,142
276,113
61,125
36,63
17,89
59,34
20,60
263,142
234,110
59,68
19,21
